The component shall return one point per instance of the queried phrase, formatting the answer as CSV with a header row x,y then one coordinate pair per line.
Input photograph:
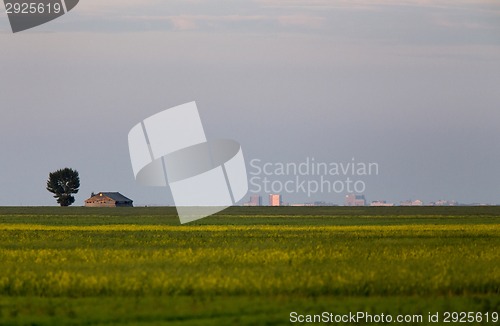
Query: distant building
x,y
444,203
274,200
322,203
255,200
412,203
355,200
381,203
108,199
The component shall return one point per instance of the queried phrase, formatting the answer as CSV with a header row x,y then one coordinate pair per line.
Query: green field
x,y
245,266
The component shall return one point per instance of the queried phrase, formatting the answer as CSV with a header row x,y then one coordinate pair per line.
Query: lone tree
x,y
63,183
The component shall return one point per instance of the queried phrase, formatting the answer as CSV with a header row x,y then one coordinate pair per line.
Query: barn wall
x,y
100,203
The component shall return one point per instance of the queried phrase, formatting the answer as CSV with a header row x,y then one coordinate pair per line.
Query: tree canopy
x,y
63,184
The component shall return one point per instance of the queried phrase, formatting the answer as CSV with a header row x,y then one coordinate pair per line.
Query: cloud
x,y
302,20
191,22
97,7
183,23
371,4
203,22
422,21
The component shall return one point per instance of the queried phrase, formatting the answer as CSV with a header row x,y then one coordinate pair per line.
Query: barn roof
x,y
116,196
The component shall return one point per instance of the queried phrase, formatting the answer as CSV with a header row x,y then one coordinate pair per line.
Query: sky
x,y
410,85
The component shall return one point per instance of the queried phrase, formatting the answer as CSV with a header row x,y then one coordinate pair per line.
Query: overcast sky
x,y
411,85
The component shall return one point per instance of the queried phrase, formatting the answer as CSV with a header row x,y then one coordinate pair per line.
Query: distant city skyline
x,y
356,200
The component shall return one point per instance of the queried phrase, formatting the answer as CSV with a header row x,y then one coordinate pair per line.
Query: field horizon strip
x,y
230,260
224,228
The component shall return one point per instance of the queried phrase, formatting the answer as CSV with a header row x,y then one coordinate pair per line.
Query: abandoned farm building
x,y
108,199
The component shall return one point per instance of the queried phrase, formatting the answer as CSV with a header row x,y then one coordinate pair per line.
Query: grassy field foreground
x,y
244,266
